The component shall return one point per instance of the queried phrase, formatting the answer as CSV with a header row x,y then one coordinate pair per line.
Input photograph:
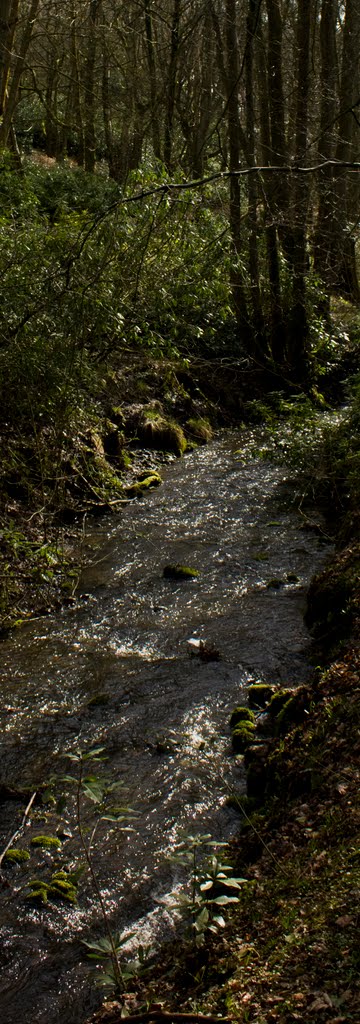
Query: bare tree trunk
x,y
323,262
155,129
8,20
171,85
89,88
344,244
236,272
277,326
11,100
255,293
298,334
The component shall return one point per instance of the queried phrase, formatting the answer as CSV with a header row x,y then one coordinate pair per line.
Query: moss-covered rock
x,y
155,430
259,695
16,855
241,714
293,712
278,700
46,842
144,484
62,886
180,572
242,737
199,430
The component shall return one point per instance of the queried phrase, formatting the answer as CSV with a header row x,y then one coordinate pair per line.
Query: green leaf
x,y
201,920
221,901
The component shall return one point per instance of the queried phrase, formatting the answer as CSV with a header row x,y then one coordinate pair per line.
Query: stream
x,y
116,670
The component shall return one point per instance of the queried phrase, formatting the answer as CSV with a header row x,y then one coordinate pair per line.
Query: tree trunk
x,y
89,88
252,181
277,326
346,279
323,262
155,130
11,99
171,84
8,20
236,271
298,333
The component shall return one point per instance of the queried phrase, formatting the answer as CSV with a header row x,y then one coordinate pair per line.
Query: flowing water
x,y
161,714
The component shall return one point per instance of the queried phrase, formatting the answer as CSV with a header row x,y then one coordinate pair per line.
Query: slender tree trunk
x,y
9,10
89,88
171,86
11,100
236,272
155,129
298,334
280,192
323,262
344,243
255,293
277,326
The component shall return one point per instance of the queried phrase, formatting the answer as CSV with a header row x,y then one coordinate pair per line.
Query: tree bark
x,y
236,271
89,87
171,84
11,98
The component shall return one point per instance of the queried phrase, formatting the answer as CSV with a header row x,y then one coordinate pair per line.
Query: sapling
x,y
204,903
97,790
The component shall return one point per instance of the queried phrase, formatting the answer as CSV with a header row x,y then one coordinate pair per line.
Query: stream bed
x,y
115,670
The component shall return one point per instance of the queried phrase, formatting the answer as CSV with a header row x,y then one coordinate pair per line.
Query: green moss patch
x,y
199,430
16,855
180,572
259,695
46,842
241,714
144,484
242,737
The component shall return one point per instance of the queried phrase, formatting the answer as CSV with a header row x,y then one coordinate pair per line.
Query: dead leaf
x,y
343,922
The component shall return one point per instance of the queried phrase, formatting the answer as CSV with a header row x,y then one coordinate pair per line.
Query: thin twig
x,y
18,830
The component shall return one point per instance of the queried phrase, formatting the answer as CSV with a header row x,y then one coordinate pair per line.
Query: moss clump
x,y
180,572
293,712
154,430
242,737
46,842
241,714
259,695
199,430
278,700
145,484
15,855
62,886
99,700
38,891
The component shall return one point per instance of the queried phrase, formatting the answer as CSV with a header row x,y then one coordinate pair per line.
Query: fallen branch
x,y
177,1018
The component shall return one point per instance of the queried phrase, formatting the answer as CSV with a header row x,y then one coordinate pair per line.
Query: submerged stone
x,y
180,572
